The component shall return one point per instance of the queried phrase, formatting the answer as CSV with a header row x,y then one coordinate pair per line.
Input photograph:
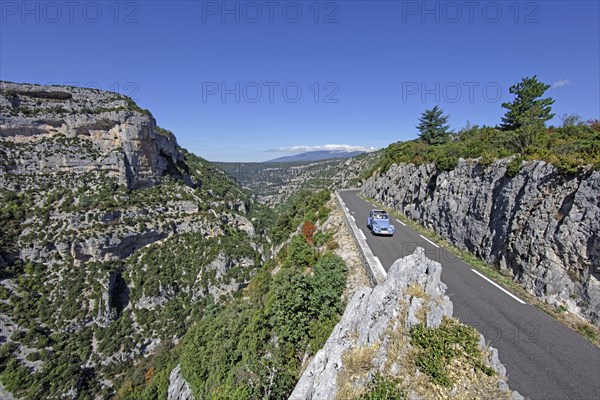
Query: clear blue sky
x,y
384,62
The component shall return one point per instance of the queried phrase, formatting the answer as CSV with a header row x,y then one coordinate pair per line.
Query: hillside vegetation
x,y
114,241
64,314
253,346
523,132
568,148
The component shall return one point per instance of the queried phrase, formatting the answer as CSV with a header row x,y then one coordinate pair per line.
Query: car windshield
x,y
381,216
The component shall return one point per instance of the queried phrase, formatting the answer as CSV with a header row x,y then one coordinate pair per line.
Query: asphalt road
x,y
543,358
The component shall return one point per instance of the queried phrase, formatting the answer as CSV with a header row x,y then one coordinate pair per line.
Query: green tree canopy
x,y
432,128
528,108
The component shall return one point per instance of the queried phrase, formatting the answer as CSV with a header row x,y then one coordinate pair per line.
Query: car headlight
x,y
392,228
376,228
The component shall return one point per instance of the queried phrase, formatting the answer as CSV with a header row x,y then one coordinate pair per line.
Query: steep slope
x,y
114,240
540,225
254,347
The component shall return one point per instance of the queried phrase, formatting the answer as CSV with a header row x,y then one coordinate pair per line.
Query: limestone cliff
x,y
113,240
541,226
124,141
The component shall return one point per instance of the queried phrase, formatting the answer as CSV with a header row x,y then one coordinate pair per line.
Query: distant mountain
x,y
317,156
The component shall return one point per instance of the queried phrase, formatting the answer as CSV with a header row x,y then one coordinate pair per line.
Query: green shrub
x,y
383,389
514,167
263,335
568,148
588,332
446,162
437,347
486,159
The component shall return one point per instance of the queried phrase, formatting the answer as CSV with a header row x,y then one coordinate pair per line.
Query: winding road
x,y
543,358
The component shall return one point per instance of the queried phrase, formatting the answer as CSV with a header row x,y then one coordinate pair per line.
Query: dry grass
x,y
348,391
397,345
357,275
416,290
357,363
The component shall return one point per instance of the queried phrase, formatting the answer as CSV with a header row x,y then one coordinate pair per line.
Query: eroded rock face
x,y
541,226
179,389
125,142
370,316
115,297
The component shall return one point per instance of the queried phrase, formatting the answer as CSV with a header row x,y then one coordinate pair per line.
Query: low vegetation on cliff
x,y
570,147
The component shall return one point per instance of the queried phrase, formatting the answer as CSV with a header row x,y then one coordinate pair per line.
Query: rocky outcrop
x,y
124,141
178,389
220,267
370,321
540,226
115,297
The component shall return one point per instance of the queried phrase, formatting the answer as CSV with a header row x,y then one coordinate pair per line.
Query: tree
x,y
572,120
528,110
308,230
432,126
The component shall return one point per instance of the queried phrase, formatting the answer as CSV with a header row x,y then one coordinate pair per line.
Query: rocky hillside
x,y
113,241
388,345
533,222
274,183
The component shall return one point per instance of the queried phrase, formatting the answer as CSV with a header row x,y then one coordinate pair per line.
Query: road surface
x,y
543,358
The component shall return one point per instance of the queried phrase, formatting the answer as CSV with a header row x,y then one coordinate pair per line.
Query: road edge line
x,y
429,241
498,286
372,264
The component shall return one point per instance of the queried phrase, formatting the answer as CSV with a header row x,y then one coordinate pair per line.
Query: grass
x,y
589,332
381,388
574,322
357,363
438,347
416,290
358,360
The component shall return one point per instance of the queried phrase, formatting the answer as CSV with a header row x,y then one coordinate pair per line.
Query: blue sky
x,y
251,81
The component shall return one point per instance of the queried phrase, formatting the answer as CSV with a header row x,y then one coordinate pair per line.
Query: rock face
x,y
115,297
112,237
179,389
369,318
127,143
541,226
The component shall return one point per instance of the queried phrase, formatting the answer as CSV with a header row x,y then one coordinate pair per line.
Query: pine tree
x,y
528,109
432,126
